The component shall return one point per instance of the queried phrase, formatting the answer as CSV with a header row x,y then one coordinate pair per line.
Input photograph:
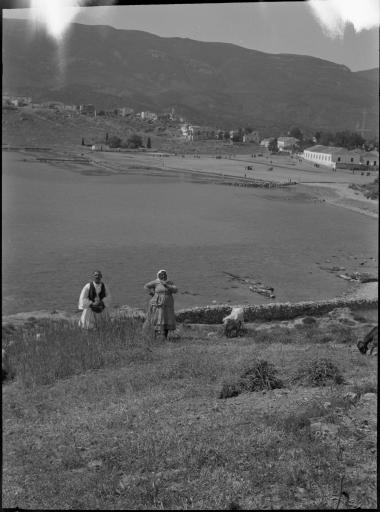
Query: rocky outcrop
x,y
273,311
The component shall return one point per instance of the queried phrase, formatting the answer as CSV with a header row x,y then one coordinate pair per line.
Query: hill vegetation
x,y
114,420
207,83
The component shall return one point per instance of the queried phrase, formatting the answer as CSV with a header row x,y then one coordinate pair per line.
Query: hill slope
x,y
212,83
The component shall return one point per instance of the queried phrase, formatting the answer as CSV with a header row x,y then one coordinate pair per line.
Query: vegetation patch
x,y
320,372
260,375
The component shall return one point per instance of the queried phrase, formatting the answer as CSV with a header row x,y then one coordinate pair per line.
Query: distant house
x,y
370,158
97,147
125,111
252,137
87,109
194,132
149,116
331,156
266,142
286,143
70,108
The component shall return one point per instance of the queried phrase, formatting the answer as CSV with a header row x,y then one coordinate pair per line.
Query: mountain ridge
x,y
207,82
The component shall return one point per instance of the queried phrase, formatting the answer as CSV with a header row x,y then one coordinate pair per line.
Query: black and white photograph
x,y
190,202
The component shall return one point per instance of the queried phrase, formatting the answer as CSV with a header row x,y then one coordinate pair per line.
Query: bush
x,y
258,376
308,320
231,389
320,372
135,141
114,142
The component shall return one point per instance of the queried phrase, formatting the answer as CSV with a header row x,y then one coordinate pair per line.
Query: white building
x,y
149,116
331,156
286,143
125,111
266,142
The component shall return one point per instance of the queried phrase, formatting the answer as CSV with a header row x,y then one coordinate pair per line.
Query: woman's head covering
x,y
160,271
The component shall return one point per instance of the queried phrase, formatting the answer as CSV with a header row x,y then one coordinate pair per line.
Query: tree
x,y
82,141
135,141
148,143
107,138
296,133
114,141
272,146
326,138
248,129
348,140
317,136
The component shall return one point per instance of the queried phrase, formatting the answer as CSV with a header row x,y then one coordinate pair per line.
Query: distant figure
x,y
161,306
94,300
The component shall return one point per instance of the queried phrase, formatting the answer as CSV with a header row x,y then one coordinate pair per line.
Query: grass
x,y
370,190
144,429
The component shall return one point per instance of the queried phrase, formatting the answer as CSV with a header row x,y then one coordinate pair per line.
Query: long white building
x,y
330,156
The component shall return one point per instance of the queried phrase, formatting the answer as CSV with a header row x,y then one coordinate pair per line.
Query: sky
x,y
341,31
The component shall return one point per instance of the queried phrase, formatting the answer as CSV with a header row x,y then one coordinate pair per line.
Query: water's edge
x,y
214,314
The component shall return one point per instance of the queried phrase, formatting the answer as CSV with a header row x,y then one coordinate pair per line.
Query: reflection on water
x,y
60,225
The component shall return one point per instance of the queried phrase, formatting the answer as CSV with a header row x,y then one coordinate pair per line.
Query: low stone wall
x,y
272,311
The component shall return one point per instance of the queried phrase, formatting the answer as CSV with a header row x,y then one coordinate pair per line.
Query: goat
x,y
369,341
233,323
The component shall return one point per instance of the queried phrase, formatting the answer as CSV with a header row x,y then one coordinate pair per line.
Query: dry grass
x,y
146,430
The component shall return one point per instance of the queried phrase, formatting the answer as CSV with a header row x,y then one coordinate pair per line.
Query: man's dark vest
x,y
92,292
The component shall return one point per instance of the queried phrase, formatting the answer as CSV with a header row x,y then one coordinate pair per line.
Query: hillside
x,y
211,83
283,417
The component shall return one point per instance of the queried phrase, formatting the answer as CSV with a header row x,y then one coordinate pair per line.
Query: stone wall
x,y
273,311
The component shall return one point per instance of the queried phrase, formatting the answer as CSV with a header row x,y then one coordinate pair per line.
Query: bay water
x,y
60,224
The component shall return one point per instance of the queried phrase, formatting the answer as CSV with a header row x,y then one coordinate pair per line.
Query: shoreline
x,y
365,296
340,195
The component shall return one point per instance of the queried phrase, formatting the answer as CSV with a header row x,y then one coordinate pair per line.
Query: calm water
x,y
59,225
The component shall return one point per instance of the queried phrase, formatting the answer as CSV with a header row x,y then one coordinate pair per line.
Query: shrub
x,y
308,320
258,376
231,389
320,372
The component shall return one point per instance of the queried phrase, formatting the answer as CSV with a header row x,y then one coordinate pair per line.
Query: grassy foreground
x,y
115,420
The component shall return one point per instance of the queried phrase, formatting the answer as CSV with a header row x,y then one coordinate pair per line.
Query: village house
x,y
370,158
331,156
149,116
266,142
17,101
194,132
252,137
125,111
286,143
87,109
70,108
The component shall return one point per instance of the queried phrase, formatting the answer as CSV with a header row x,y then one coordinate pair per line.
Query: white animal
x,y
233,323
236,314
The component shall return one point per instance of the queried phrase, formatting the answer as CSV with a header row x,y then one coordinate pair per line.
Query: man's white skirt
x,y
90,320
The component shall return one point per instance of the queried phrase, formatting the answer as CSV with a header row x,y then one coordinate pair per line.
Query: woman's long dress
x,y
161,306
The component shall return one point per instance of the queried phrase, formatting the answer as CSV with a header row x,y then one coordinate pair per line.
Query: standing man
x,y
94,300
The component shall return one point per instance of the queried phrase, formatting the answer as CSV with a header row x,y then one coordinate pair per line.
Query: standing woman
x,y
161,306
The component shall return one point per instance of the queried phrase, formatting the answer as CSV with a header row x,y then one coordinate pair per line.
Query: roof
x,y
326,149
287,139
369,154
